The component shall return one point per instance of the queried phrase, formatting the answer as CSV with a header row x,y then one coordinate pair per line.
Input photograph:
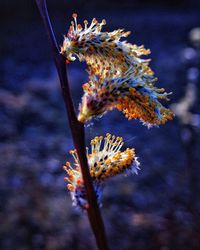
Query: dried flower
x,y
105,160
118,76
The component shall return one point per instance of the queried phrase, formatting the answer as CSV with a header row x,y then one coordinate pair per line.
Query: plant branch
x,y
77,130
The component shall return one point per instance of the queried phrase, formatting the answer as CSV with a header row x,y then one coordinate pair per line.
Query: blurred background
x,y
157,209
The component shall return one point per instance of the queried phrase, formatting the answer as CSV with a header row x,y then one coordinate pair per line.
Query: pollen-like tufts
x,y
137,99
105,160
104,52
118,75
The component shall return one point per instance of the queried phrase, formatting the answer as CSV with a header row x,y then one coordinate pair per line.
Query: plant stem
x,y
77,130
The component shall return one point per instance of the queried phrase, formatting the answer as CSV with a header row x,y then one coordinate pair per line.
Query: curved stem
x,y
77,130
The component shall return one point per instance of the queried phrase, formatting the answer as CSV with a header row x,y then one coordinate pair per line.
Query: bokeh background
x,y
157,209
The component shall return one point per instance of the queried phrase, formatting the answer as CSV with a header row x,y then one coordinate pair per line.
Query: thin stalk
x,y
77,130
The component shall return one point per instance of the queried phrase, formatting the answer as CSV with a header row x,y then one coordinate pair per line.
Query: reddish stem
x,y
77,130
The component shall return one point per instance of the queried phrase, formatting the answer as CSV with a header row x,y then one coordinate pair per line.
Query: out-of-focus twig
x,y
190,121
77,130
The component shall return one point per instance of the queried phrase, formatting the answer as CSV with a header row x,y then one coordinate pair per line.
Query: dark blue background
x,y
159,208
